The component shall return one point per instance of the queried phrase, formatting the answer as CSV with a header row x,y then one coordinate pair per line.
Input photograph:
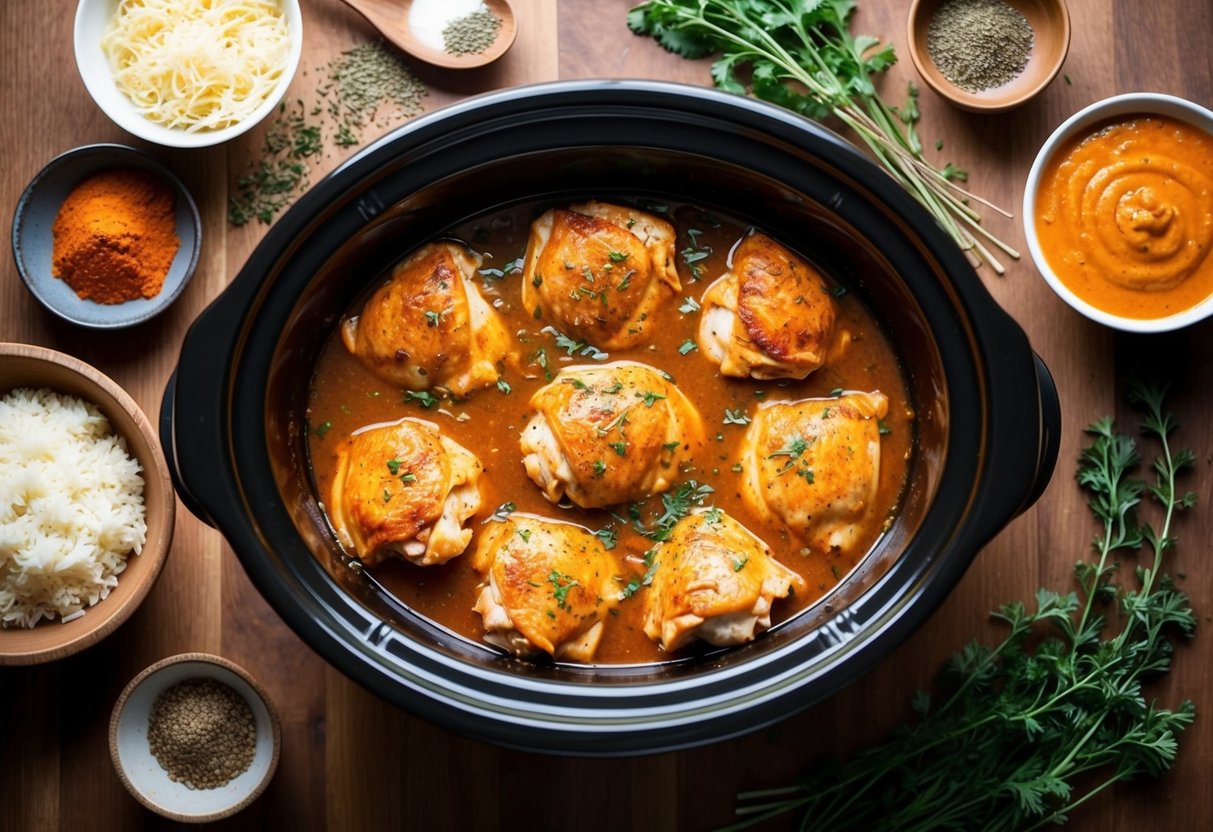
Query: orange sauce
x,y
345,396
1125,217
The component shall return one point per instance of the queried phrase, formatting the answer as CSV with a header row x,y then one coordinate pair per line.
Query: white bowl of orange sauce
x,y
1118,212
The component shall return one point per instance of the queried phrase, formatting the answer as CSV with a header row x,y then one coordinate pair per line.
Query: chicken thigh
x,y
428,326
404,488
598,271
815,466
549,586
608,434
714,580
770,316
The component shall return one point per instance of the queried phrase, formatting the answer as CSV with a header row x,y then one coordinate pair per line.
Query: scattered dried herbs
x,y
366,86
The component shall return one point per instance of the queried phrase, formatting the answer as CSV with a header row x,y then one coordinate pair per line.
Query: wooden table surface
x,y
351,761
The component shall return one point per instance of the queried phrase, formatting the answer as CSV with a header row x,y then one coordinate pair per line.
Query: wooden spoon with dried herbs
x,y
801,54
1031,729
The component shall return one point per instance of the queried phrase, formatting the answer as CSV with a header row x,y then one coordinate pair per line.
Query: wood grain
x,y
351,761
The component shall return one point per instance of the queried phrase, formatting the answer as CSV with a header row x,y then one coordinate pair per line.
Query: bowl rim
x,y
983,102
115,152
232,668
106,620
1129,103
100,84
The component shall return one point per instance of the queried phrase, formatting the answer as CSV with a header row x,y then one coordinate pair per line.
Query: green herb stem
x,y
809,45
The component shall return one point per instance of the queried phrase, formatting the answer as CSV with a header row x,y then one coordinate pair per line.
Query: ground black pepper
x,y
202,733
472,33
979,44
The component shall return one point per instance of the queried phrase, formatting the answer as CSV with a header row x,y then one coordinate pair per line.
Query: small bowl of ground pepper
x,y
988,55
194,738
106,236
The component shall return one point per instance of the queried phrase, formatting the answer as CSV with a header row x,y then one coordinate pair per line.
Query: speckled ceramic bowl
x,y
144,777
33,243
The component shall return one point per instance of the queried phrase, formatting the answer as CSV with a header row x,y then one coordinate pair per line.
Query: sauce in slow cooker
x,y
346,396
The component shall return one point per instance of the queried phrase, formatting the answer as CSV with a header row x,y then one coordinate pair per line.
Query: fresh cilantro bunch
x,y
1032,728
801,54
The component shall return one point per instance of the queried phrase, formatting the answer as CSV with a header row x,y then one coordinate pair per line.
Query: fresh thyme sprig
x,y
1030,730
801,54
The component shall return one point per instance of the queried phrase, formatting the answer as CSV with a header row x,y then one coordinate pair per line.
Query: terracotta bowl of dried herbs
x,y
195,738
988,55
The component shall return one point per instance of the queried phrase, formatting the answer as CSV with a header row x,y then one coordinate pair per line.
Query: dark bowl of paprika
x,y
106,236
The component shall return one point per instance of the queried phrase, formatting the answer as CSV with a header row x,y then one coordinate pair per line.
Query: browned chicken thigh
x,y
814,465
598,271
428,326
404,488
608,434
714,580
770,316
548,587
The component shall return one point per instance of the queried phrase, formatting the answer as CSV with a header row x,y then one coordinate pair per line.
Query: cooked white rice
x,y
71,507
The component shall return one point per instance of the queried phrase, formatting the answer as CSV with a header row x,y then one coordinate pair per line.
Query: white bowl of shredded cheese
x,y
187,73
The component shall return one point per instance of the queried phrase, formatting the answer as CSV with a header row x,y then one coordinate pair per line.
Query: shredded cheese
x,y
197,65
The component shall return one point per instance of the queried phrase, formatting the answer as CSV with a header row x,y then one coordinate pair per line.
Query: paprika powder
x,y
115,236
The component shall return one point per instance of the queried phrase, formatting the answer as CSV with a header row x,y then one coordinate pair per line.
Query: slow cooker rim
x,y
367,159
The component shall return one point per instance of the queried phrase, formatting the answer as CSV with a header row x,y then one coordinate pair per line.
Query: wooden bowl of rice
x,y
98,516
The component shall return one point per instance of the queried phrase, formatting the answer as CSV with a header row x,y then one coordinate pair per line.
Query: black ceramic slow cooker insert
x,y
233,416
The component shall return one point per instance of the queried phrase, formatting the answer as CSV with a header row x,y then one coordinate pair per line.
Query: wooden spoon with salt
x,y
391,18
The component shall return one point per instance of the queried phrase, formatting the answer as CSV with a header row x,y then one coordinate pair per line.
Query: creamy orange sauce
x,y
1125,217
346,396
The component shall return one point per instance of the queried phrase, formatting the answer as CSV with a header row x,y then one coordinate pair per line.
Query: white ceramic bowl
x,y
92,16
142,774
1135,103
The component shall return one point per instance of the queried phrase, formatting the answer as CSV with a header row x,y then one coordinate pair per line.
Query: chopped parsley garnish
x,y
322,428
836,392
537,280
714,515
807,473
736,467
796,446
599,467
503,511
736,417
620,448
618,256
614,388
578,384
687,346
671,446
572,347
839,291
525,534
626,281
423,397
676,504
393,466
433,318
688,306
540,359
386,495
408,478
883,427
608,537
738,565
618,422
504,386
561,584
649,397
650,563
